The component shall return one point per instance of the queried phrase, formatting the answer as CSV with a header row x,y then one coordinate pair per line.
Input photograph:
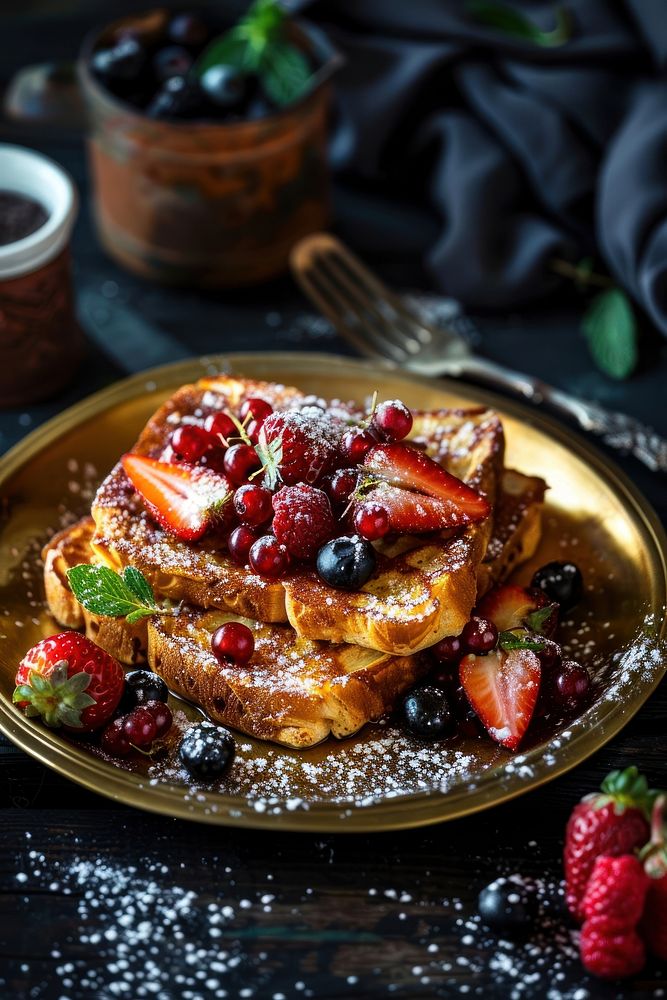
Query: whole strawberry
x,y
612,823
613,903
609,952
299,446
654,922
303,520
70,682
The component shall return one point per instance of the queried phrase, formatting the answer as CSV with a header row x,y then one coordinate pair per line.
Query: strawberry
x,y
609,952
502,687
303,520
411,513
612,904
654,922
612,823
510,606
299,446
184,500
70,682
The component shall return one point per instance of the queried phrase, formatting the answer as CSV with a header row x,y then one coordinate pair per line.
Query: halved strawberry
x,y
502,688
511,606
184,500
412,513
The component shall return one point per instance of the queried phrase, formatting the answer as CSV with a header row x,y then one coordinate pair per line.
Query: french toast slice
x,y
421,590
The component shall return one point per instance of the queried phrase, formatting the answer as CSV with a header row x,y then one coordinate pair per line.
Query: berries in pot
x,y
570,687
142,686
221,426
371,521
561,582
179,97
233,642
190,442
448,650
355,445
342,485
346,562
392,420
207,750
140,727
173,60
479,636
252,503
268,557
257,408
507,905
120,64
188,29
162,717
240,461
239,543
426,713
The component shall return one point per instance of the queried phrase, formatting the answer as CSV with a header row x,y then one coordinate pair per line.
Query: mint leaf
x,y
510,640
103,592
230,49
610,328
536,620
517,25
285,72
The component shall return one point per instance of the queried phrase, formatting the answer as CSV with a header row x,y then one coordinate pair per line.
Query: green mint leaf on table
x,y
510,640
103,592
610,328
285,72
513,22
537,619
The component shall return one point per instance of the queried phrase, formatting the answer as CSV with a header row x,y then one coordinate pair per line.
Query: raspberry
x,y
616,890
610,953
310,441
303,520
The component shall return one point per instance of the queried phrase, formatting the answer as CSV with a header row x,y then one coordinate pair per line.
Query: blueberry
x,y
346,562
561,582
142,686
207,750
179,97
259,107
426,713
121,63
507,905
188,29
173,60
225,86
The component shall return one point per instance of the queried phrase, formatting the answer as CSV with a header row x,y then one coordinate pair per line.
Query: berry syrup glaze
x,y
384,762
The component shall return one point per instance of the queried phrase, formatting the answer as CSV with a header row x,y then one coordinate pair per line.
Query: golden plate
x,y
378,780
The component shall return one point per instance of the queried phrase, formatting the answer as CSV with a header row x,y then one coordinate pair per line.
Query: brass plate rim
x,y
388,814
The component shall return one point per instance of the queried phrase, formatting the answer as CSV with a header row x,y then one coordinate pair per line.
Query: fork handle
x,y
619,431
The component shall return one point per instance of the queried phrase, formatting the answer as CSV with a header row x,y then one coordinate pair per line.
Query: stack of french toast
x,y
327,658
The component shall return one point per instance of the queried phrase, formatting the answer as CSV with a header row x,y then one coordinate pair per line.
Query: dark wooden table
x,y
101,901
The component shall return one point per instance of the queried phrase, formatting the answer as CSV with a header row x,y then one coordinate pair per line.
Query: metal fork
x,y
379,325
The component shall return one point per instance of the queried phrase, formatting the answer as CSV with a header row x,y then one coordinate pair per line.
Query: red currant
x,y
479,636
258,409
239,543
253,504
233,641
392,420
221,425
571,685
550,654
253,429
355,445
114,739
190,442
371,521
342,485
240,461
161,716
268,557
139,727
449,649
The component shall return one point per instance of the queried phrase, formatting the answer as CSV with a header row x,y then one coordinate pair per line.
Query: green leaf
x,y
136,582
135,616
517,25
22,693
231,49
610,328
511,640
103,592
285,72
536,620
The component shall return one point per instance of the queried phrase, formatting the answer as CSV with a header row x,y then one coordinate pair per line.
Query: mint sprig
x,y
103,592
509,640
259,44
512,22
536,620
610,328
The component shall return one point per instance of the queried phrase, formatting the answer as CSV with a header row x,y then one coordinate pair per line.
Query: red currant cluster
x,y
145,716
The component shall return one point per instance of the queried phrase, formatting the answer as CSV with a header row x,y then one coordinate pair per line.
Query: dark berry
x,y
355,444
220,425
479,636
233,642
174,60
268,557
122,63
114,739
179,97
371,521
561,582
225,86
190,442
346,562
259,106
257,408
507,905
303,520
342,485
161,716
239,543
207,750
550,654
571,686
253,504
240,460
188,29
392,420
142,686
449,649
140,727
426,713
